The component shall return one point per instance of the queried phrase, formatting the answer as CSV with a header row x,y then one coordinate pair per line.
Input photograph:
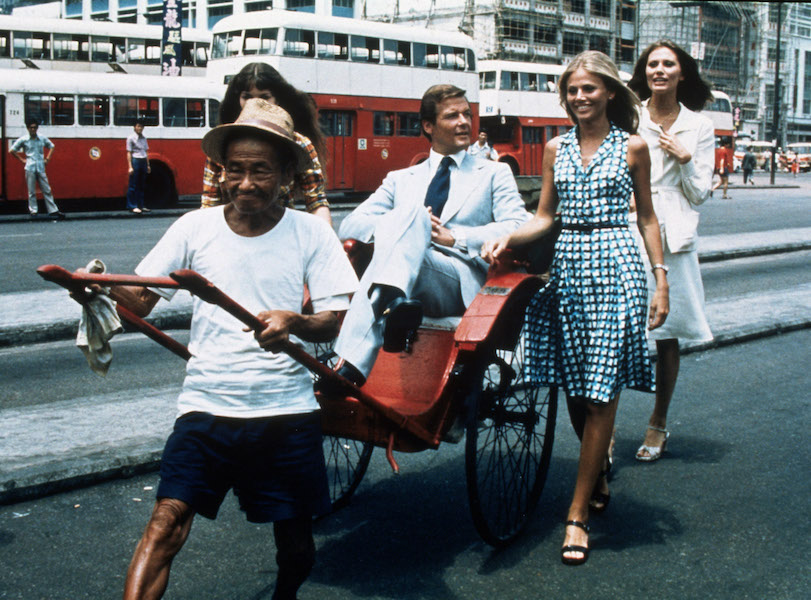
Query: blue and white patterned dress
x,y
586,327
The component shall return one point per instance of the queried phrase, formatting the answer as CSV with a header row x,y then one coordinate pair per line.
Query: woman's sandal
x,y
654,452
584,550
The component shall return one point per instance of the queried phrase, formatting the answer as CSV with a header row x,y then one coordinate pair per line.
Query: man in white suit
x,y
428,223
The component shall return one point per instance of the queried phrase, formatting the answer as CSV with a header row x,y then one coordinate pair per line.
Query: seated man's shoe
x,y
333,387
401,319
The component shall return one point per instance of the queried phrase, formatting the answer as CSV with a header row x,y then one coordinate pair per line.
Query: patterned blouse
x,y
308,184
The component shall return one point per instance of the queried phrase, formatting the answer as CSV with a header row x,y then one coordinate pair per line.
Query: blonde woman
x,y
586,328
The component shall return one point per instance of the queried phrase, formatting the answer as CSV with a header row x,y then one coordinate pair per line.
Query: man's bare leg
x,y
165,534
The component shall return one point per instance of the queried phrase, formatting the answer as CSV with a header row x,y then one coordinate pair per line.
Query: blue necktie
x,y
437,193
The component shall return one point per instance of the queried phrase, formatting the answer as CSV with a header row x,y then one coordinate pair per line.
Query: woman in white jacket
x,y
682,149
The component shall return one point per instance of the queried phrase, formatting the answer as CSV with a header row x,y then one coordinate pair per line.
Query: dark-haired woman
x,y
260,80
682,152
586,327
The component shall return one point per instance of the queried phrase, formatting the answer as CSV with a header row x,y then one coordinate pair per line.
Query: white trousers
x,y
403,258
31,179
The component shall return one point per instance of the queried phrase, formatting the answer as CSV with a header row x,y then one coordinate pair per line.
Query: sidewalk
x,y
53,447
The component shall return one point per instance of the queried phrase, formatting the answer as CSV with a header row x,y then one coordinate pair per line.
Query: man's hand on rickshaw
x,y
85,294
439,233
492,249
277,333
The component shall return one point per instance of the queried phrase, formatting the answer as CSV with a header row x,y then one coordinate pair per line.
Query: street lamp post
x,y
776,110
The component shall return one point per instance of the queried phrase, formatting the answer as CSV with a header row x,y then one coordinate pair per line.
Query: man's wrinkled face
x,y
252,175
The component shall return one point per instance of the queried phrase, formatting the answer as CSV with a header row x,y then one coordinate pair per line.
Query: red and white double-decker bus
x,y
520,109
366,78
88,118
96,46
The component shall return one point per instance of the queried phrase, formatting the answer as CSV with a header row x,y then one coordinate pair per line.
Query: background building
x,y
551,31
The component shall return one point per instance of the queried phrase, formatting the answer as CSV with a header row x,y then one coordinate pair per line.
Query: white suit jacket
x,y
483,203
678,188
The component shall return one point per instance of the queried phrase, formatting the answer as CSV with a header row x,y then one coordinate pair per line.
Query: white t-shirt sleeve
x,y
329,274
169,254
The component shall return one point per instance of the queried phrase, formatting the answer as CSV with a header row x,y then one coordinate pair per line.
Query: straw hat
x,y
257,115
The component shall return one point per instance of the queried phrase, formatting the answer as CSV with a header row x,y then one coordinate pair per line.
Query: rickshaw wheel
x,y
510,432
346,464
346,459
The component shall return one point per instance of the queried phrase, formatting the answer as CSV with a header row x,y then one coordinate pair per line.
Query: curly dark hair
x,y
299,104
693,91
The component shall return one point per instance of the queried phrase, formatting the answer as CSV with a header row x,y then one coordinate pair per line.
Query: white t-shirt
x,y
228,374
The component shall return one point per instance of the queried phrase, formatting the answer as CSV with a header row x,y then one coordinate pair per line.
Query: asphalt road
x,y
723,515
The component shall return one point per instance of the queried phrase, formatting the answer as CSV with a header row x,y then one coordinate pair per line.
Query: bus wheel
x,y
513,165
160,187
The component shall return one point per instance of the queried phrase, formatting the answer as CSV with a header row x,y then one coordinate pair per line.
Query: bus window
x,y
551,83
532,135
128,109
94,110
213,113
5,43
396,53
426,55
153,52
218,45
529,82
183,112
365,49
453,58
200,54
261,41
408,124
551,132
487,80
69,46
510,80
36,45
383,123
101,50
333,46
136,50
336,123
471,60
299,42
48,109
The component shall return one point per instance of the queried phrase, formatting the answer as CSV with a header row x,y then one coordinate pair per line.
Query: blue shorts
x,y
275,465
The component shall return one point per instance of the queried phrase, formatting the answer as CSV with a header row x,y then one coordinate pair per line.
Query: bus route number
x,y
361,143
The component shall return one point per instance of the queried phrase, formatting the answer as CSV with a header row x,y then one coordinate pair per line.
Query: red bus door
x,y
339,128
532,143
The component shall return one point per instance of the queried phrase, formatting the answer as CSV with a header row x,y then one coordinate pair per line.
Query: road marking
x,y
11,235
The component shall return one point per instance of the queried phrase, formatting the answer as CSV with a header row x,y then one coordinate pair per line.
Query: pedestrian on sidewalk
x,y
138,168
248,419
724,158
260,80
748,166
586,327
682,156
30,150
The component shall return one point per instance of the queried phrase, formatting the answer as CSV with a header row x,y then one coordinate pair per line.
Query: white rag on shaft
x,y
98,324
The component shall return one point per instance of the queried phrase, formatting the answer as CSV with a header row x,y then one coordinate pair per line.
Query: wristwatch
x,y
659,266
